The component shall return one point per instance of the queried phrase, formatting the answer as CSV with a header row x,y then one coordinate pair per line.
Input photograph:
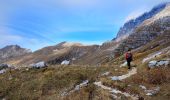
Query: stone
x,y
3,66
160,63
152,92
41,64
65,62
105,74
152,64
2,71
163,63
143,87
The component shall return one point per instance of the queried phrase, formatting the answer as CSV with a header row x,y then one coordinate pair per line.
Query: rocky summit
x,y
129,26
12,51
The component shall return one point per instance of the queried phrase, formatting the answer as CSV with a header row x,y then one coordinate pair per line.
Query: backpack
x,y
128,56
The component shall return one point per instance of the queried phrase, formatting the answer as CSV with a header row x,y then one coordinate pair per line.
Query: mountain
x,y
129,26
148,30
56,54
76,53
12,51
140,32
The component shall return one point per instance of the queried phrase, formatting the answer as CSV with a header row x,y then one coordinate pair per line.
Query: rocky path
x,y
115,91
130,73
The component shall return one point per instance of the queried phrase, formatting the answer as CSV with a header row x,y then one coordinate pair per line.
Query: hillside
x,y
12,51
129,26
96,72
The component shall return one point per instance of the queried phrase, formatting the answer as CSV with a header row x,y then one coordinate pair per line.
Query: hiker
x,y
129,58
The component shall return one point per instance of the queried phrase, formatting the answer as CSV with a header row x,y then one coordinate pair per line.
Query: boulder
x,y
105,74
152,64
84,83
163,63
65,62
2,71
153,91
41,64
3,66
160,63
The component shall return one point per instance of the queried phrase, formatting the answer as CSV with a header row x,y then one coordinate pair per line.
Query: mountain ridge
x,y
129,26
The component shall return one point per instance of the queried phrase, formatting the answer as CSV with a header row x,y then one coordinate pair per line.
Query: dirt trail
x,y
130,73
115,91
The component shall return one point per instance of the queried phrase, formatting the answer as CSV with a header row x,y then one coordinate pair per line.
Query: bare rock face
x,y
12,51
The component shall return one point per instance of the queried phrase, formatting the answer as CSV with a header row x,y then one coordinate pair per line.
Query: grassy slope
x,y
46,84
50,83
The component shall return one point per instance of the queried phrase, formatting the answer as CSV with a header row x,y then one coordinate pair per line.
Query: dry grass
x,y
48,83
150,78
155,76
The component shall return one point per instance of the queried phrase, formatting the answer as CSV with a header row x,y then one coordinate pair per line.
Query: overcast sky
x,y
34,24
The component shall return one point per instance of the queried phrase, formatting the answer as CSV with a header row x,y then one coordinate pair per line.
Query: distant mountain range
x,y
150,30
12,51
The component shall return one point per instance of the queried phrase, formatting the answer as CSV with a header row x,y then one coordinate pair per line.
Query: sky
x,y
35,24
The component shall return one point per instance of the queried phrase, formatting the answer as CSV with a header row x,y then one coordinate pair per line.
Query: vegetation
x,y
48,83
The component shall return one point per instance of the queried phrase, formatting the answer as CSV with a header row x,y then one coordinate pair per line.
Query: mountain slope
x,y
132,24
12,51
58,53
147,31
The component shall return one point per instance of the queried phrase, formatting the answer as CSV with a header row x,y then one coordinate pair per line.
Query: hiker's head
x,y
129,50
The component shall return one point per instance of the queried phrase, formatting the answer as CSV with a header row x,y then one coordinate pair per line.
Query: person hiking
x,y
129,58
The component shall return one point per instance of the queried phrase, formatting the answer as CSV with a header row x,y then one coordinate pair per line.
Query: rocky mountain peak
x,y
129,26
11,51
69,44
